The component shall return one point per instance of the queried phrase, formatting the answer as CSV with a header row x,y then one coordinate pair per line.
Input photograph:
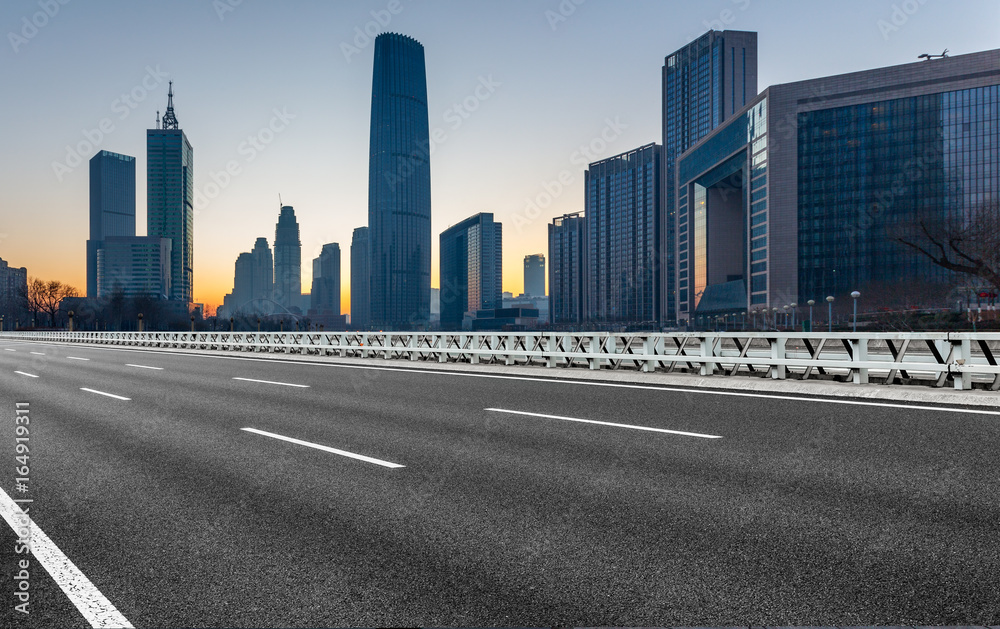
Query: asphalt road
x,y
797,512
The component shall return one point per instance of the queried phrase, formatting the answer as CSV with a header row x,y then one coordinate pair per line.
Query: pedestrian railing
x,y
966,360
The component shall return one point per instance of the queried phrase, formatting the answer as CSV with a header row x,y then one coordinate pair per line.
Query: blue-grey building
x,y
360,278
704,83
112,205
805,192
170,198
567,269
287,260
325,293
623,201
399,187
534,275
471,268
134,266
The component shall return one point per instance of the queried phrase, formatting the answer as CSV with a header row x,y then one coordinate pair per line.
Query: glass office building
x,y
325,293
534,275
471,268
622,201
567,269
359,279
112,205
704,83
399,187
287,260
170,198
135,266
815,182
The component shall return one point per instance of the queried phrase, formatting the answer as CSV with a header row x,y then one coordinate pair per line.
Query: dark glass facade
x,y
169,202
623,212
868,174
567,268
287,260
325,294
399,187
704,83
360,277
112,205
534,275
471,268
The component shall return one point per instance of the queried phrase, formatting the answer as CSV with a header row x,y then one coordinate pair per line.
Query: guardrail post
x,y
550,349
778,352
859,353
595,346
649,348
706,350
962,351
412,345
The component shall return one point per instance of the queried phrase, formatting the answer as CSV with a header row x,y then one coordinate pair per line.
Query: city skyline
x,y
297,156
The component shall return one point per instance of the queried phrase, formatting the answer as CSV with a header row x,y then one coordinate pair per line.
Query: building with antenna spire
x,y
170,197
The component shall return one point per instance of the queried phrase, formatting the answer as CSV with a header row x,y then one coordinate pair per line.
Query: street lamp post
x,y
743,321
854,296
258,324
785,308
192,323
140,322
829,313
794,306
70,320
230,324
811,302
774,312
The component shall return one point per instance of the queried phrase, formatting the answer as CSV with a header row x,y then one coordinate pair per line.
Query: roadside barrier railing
x,y
966,360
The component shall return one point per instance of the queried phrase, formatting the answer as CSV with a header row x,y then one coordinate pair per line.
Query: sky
x,y
275,98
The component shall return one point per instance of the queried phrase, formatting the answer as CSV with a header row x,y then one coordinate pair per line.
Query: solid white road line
x,y
285,384
308,444
143,367
7,349
117,397
38,353
75,358
30,375
94,607
558,380
593,421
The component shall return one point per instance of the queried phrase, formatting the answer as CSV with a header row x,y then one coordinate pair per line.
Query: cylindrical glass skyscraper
x,y
399,187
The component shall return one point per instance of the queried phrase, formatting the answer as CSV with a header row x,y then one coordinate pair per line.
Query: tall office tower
x,y
399,186
170,198
326,280
567,268
534,275
704,83
622,200
136,266
360,317
112,205
471,268
263,271
287,260
243,284
13,289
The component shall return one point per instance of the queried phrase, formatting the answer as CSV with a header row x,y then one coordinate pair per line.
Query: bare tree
x,y
970,244
44,297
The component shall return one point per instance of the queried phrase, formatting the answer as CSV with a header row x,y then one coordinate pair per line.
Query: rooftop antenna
x,y
280,204
169,119
929,57
157,118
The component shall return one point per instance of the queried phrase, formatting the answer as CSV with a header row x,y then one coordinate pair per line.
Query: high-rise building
x,y
534,275
780,213
325,293
623,210
360,319
567,269
287,260
263,271
243,284
13,287
399,186
112,205
704,84
471,268
170,198
136,266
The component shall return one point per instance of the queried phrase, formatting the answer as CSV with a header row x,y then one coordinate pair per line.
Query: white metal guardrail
x,y
968,360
